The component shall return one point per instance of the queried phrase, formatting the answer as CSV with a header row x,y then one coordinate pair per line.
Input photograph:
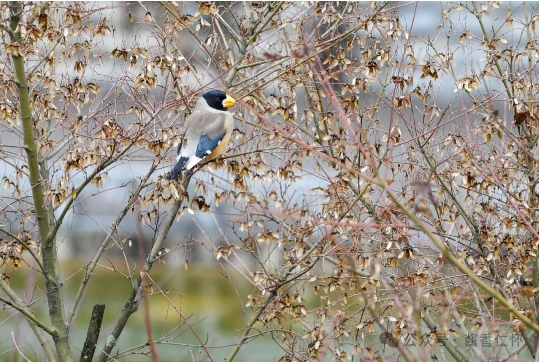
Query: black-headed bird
x,y
207,132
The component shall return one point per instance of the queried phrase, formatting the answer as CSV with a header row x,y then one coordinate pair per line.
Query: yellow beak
x,y
229,102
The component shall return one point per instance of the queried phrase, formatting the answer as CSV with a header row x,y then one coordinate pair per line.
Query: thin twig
x,y
17,347
17,304
106,242
133,302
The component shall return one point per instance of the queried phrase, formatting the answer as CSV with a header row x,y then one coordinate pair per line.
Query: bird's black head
x,y
215,99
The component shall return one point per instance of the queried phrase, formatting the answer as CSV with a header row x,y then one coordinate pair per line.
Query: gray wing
x,y
206,127
205,131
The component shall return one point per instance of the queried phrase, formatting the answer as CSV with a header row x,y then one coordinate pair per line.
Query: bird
x,y
207,132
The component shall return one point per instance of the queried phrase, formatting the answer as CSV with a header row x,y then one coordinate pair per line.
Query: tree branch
x,y
106,243
253,321
111,159
132,303
18,304
28,248
48,245
92,336
45,57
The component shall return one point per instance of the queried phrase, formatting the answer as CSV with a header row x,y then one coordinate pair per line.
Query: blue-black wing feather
x,y
207,145
204,148
173,175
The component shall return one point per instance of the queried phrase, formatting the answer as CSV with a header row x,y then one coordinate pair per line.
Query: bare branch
x,y
106,243
48,246
18,304
132,303
92,336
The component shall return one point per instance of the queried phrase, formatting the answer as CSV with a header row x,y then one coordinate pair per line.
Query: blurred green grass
x,y
212,302
212,299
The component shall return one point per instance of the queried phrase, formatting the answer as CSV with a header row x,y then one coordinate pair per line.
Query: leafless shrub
x,y
380,211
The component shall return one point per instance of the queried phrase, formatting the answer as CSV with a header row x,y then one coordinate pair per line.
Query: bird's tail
x,y
173,175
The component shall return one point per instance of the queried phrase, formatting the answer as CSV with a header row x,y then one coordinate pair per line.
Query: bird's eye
x,y
218,98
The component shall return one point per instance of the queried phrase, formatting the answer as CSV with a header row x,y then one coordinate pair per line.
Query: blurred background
x,y
211,295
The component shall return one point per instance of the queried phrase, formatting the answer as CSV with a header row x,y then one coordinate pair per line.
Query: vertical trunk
x,y
48,244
